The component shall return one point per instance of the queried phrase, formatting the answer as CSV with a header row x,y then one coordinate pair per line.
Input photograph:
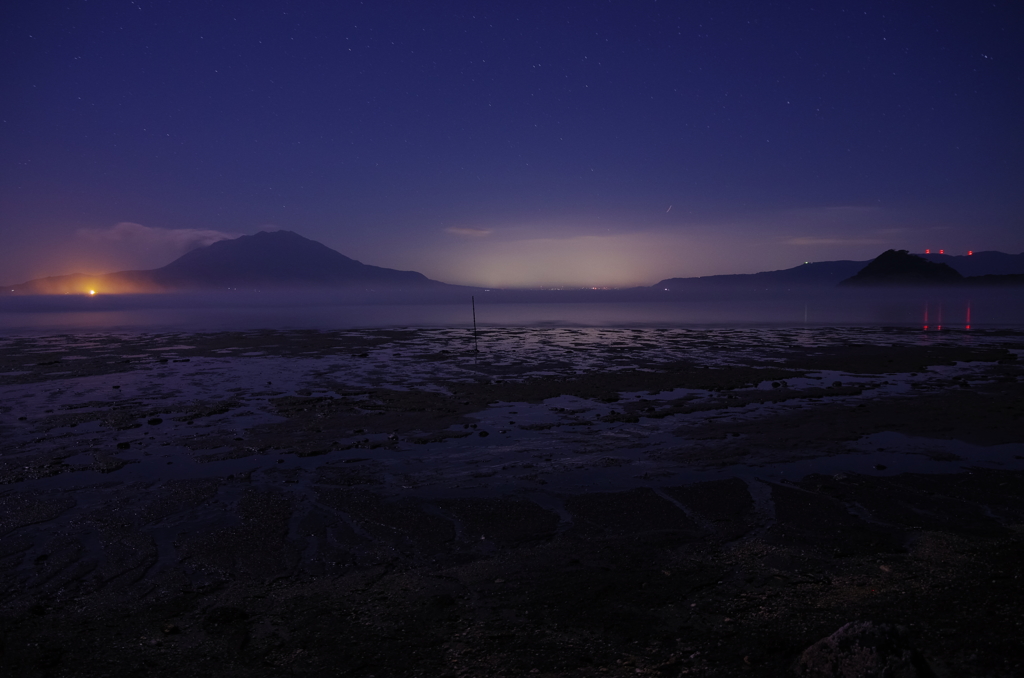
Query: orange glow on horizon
x,y
89,286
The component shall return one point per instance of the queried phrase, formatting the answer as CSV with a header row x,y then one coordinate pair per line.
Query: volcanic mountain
x,y
265,261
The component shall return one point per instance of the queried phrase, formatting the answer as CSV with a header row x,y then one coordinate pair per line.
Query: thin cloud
x,y
848,208
146,237
834,241
468,232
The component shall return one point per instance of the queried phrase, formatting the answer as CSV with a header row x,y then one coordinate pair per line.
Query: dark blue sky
x,y
511,143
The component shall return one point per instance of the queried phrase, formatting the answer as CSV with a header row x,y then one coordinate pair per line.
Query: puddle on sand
x,y
245,471
202,409
182,441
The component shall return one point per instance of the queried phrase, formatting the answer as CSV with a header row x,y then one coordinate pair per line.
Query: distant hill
x,y
283,260
265,261
981,263
817,274
900,267
980,268
1016,279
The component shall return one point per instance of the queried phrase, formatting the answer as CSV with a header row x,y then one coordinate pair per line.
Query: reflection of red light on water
x,y
926,315
968,316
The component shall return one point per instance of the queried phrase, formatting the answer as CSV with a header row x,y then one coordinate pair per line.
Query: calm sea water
x,y
957,310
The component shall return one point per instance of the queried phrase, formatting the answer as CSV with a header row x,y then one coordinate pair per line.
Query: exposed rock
x,y
108,463
863,650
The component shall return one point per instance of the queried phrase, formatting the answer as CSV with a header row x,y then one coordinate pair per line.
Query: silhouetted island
x,y
813,274
283,260
900,267
264,261
988,268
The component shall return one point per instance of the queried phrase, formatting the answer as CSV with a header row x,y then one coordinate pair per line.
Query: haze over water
x,y
929,309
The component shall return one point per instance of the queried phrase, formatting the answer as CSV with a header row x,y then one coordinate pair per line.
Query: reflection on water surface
x,y
287,311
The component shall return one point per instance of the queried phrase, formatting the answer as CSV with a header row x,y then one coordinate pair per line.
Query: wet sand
x,y
564,502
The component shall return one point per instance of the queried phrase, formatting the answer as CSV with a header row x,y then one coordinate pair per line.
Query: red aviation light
x,y
942,251
970,253
927,251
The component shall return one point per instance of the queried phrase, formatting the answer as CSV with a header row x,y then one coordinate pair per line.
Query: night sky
x,y
510,143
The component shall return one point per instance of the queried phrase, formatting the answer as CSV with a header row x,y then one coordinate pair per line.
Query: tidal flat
x,y
543,501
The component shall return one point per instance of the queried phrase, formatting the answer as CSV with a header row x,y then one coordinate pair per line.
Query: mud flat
x,y
564,502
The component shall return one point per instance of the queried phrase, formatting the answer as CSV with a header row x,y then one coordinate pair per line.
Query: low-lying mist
x,y
928,308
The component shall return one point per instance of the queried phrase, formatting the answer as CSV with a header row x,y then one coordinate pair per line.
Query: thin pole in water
x,y
476,346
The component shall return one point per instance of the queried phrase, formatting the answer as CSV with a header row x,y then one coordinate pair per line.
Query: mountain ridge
x,y
996,267
265,260
286,260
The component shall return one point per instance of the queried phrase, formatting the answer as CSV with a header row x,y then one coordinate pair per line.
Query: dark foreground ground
x,y
655,503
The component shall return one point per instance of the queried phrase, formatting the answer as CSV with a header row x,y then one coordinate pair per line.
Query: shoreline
x,y
663,501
